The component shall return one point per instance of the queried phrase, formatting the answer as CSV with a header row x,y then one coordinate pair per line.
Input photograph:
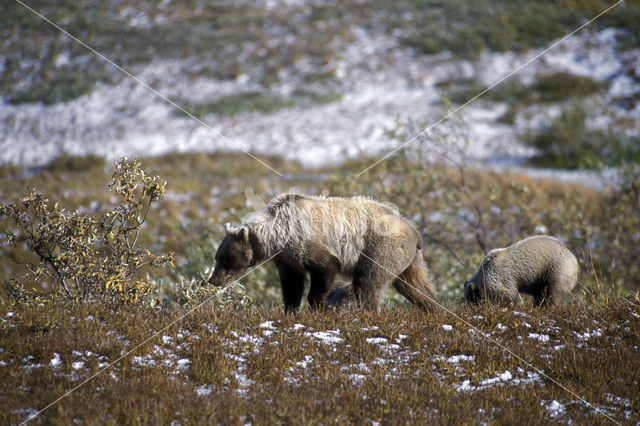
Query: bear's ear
x,y
232,230
243,233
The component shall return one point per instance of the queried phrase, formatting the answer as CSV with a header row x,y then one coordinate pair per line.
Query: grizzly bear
x,y
541,266
323,237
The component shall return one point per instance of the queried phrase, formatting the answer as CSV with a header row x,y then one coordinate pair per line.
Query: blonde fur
x,y
324,237
341,224
540,265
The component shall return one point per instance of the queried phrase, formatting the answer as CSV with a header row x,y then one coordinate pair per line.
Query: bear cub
x,y
541,266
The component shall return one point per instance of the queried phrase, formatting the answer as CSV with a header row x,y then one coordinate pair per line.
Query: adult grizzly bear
x,y
327,236
540,266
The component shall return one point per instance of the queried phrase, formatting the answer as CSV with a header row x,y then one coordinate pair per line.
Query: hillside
x,y
341,80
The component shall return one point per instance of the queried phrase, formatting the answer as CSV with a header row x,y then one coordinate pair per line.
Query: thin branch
x,y
450,249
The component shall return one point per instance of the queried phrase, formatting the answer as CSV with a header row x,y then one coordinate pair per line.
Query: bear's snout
x,y
218,278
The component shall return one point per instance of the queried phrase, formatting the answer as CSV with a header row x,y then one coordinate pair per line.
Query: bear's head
x,y
471,292
233,257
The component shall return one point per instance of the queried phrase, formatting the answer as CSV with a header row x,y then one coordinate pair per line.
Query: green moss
x,y
257,102
561,86
468,28
63,86
555,87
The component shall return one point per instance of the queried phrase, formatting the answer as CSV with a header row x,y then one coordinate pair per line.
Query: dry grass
x,y
242,369
238,368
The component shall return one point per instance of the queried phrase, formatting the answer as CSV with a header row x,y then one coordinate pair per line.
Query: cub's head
x,y
340,296
471,292
233,257
472,288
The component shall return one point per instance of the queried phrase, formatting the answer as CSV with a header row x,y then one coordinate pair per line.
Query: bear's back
x,y
532,260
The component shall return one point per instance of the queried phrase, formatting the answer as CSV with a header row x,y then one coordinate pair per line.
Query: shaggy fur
x,y
540,266
324,237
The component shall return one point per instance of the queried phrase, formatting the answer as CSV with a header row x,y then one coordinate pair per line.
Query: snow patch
x,y
204,390
306,361
143,361
357,379
455,359
26,413
588,334
544,338
183,364
327,337
505,378
267,325
56,361
555,408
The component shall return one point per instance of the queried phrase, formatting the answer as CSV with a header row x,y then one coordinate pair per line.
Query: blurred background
x,y
319,90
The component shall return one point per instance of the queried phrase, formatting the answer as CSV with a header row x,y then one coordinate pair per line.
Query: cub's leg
x,y
548,295
292,283
323,266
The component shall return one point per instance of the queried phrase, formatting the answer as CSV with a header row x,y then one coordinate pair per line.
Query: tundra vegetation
x,y
102,265
235,349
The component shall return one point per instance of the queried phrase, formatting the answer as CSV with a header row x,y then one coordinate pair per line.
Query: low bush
x,y
75,163
555,87
568,144
88,258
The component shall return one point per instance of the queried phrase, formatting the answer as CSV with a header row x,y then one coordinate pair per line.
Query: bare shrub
x,y
85,257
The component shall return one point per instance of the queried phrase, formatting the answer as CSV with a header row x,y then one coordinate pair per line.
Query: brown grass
x,y
256,373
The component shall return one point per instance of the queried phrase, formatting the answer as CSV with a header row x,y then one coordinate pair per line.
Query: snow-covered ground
x,y
173,353
384,85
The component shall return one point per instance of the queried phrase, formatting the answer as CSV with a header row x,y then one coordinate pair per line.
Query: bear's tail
x,y
413,283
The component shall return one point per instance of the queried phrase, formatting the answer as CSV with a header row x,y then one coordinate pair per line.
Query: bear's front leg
x,y
323,266
292,283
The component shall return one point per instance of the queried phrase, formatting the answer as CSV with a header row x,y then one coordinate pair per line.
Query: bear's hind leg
x,y
369,279
413,283
292,283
